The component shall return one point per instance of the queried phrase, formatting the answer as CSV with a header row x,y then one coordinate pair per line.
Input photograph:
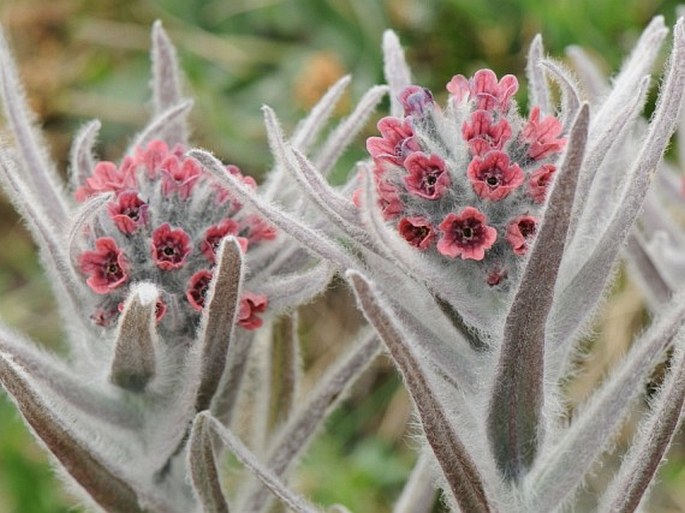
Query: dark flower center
x,y
492,181
527,228
132,212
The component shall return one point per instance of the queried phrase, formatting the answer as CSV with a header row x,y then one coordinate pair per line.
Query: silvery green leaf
x,y
102,483
163,125
343,134
81,158
647,272
218,319
591,77
134,362
578,299
296,288
570,100
306,420
203,469
561,466
224,401
166,85
314,240
247,458
395,69
286,367
538,91
39,174
515,425
463,478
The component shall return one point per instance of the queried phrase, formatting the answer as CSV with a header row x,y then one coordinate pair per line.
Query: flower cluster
x,y
469,181
163,224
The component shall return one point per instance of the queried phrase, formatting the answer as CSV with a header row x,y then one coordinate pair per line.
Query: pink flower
x,y
151,157
179,175
396,143
128,212
416,100
484,89
466,235
106,177
216,233
492,177
250,305
417,231
520,231
539,181
197,288
255,229
428,177
106,266
170,248
541,136
483,135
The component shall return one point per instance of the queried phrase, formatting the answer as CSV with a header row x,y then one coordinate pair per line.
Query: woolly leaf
x,y
202,468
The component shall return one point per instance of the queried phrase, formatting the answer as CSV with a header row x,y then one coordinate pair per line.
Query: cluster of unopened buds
x,y
469,181
163,224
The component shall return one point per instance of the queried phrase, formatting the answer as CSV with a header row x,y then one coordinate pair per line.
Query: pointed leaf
x,y
40,176
164,126
537,85
134,362
563,465
649,447
647,271
570,100
315,241
218,319
81,157
245,456
463,477
106,488
306,420
202,468
395,69
515,426
592,79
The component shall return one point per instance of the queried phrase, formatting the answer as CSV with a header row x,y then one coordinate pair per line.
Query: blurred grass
x,y
83,59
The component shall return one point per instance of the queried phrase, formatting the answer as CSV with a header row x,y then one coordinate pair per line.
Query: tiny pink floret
x,y
396,141
484,90
466,235
106,266
416,100
482,134
520,231
216,233
417,231
493,177
198,286
251,304
179,175
542,136
539,181
128,212
106,177
428,177
170,248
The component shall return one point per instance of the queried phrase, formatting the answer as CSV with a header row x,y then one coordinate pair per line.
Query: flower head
x,y
164,225
439,177
520,231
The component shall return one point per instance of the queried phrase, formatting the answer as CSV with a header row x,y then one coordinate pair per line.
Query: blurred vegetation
x,y
82,60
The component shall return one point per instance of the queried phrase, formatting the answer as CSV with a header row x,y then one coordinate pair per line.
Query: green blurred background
x,y
81,60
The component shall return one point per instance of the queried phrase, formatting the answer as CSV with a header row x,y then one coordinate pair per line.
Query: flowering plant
x,y
479,242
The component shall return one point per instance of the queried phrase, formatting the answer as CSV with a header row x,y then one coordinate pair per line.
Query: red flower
x,y
417,231
484,89
492,177
151,157
539,182
483,134
106,177
128,212
520,231
428,177
197,289
416,100
396,143
541,136
215,233
106,267
170,248
466,235
250,305
179,175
